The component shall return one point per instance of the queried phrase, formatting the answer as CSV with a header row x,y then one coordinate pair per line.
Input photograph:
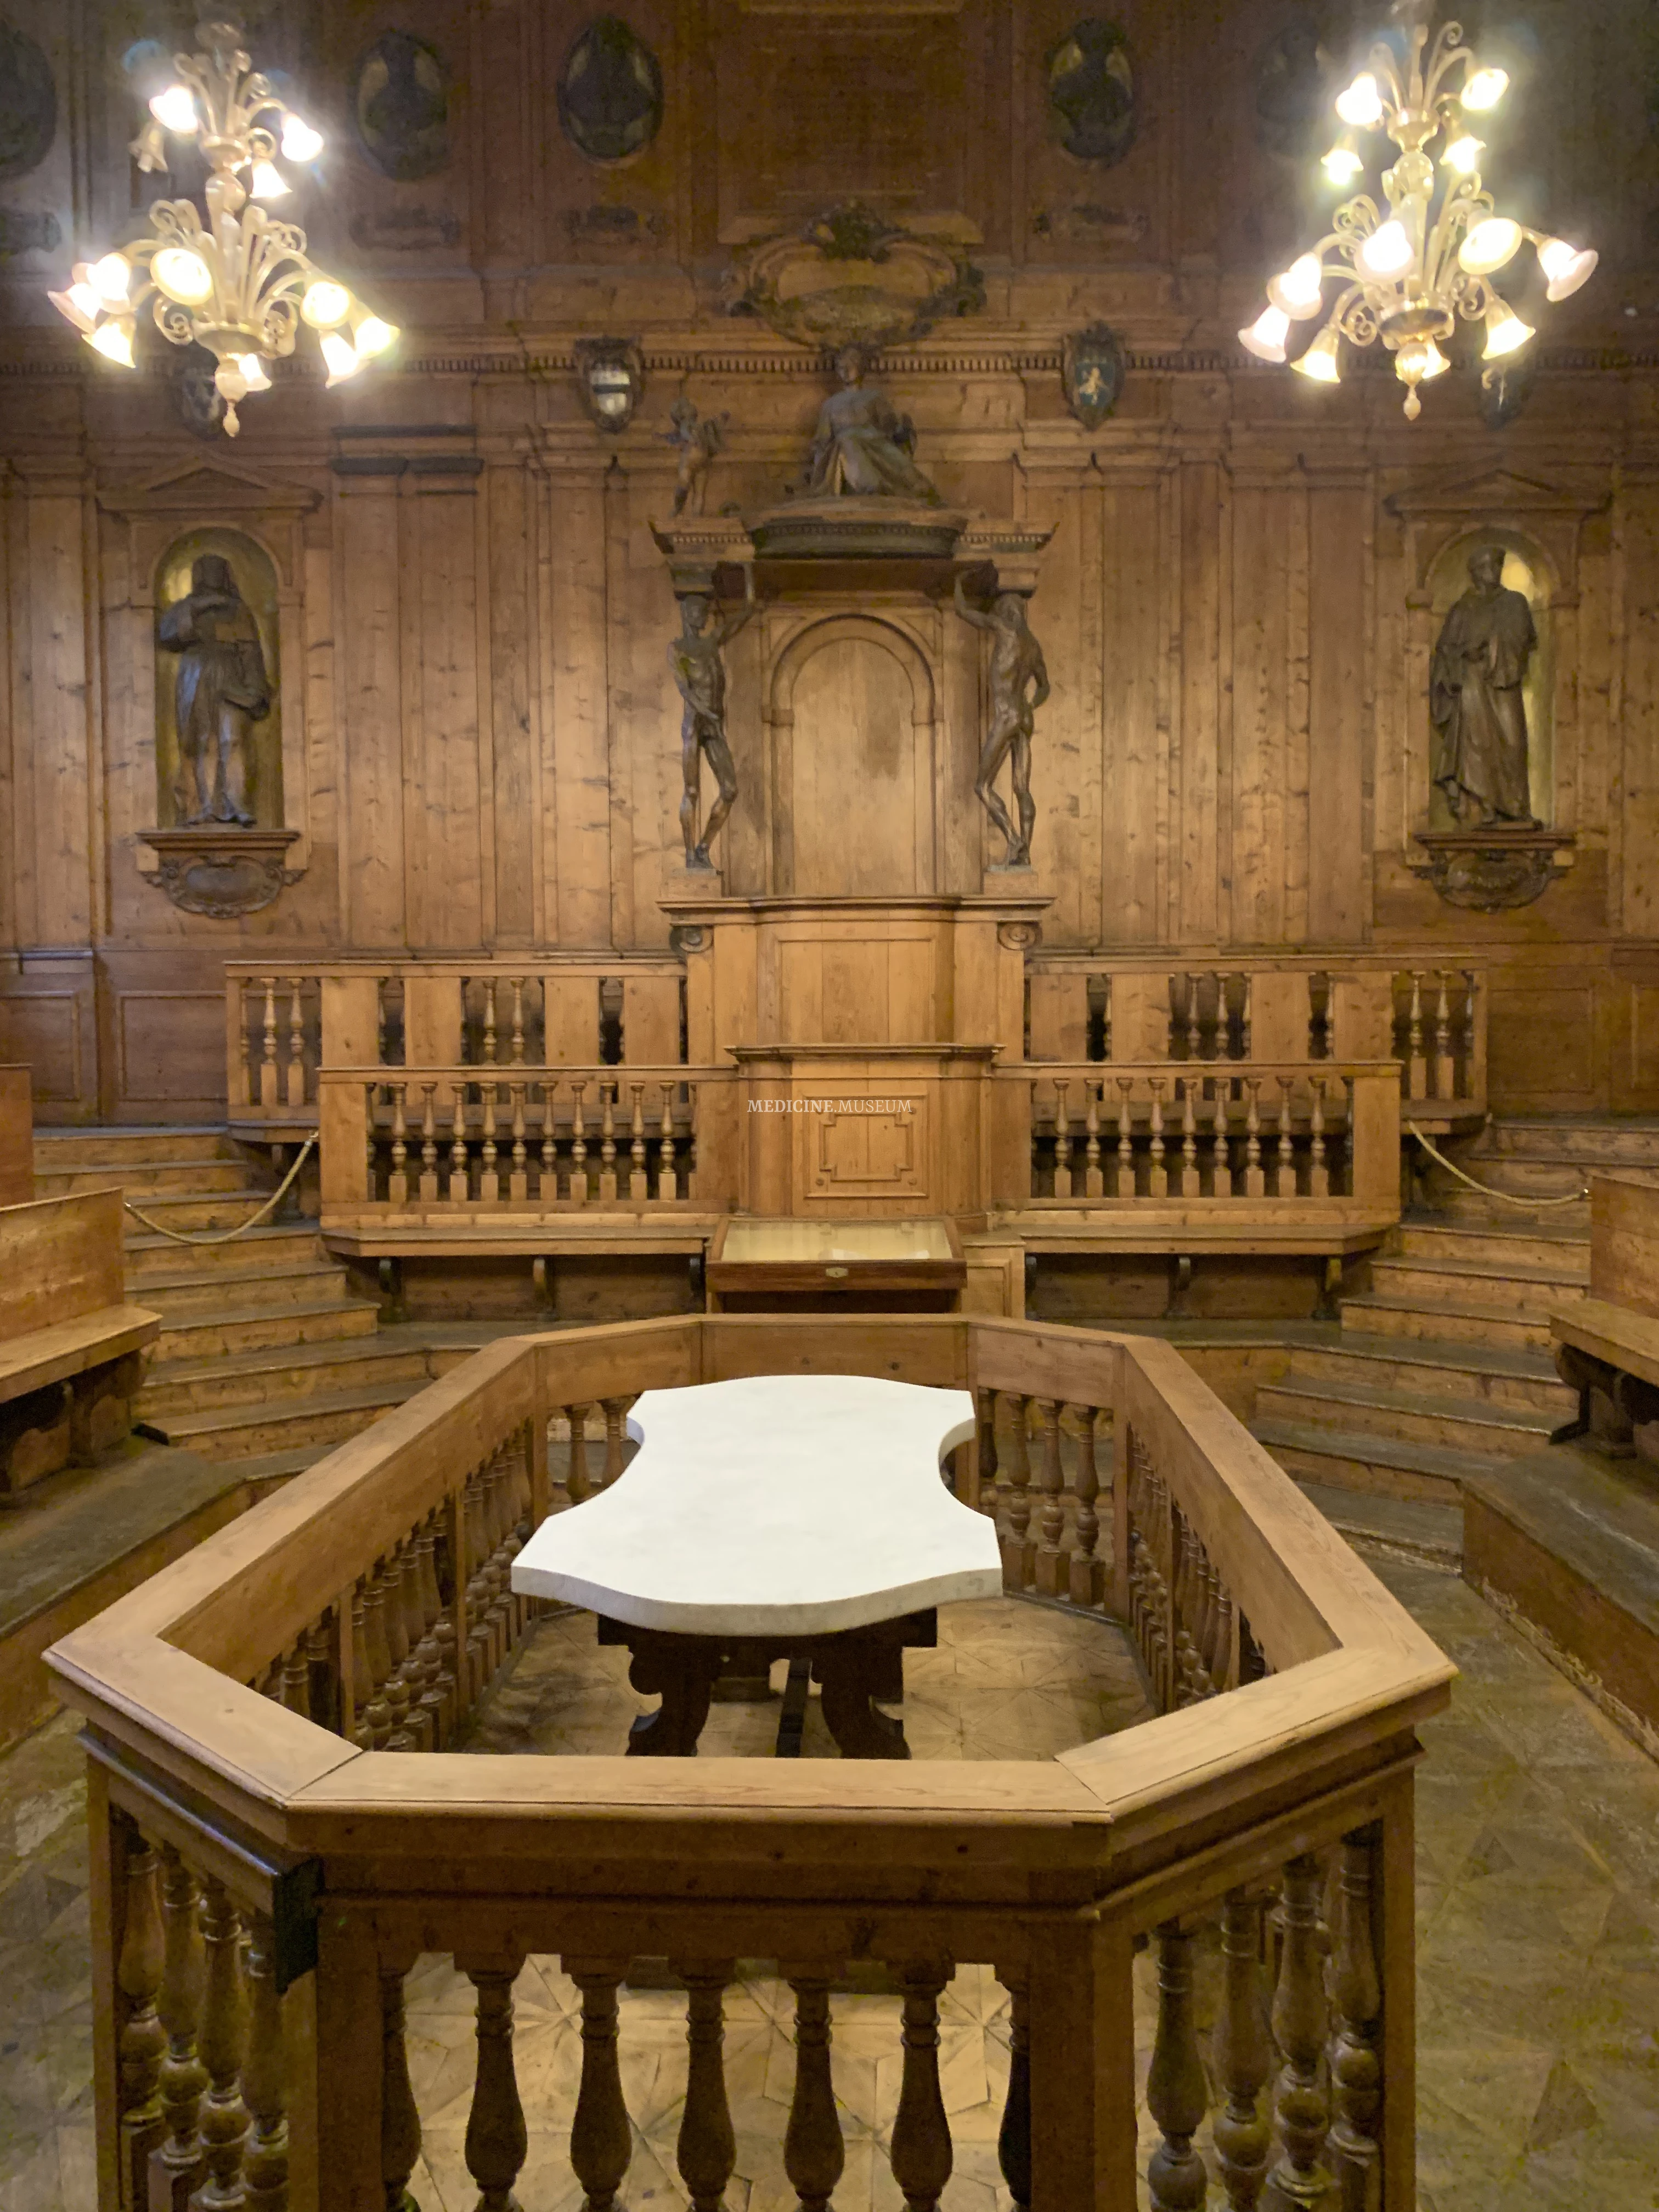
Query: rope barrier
x,y
228,1236
1508,1197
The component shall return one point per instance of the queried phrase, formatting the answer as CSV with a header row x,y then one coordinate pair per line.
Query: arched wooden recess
x,y
851,755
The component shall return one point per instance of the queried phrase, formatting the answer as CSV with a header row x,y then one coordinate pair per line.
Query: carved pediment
x,y
1497,491
208,490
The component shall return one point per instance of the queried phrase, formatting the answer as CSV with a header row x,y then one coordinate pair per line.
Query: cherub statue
x,y
700,674
698,442
1019,685
862,444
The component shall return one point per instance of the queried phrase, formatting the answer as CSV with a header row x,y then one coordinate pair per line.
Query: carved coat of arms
x,y
1092,369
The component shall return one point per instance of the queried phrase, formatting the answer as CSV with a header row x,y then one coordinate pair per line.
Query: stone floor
x,y
1538,1946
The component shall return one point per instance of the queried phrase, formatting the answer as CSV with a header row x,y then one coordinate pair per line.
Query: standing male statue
x,y
699,673
1474,700
1019,685
222,688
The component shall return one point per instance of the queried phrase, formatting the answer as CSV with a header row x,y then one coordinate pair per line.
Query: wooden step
x,y
259,1327
1426,1367
1450,1324
212,1290
144,1179
281,1465
239,1432
1466,1425
1504,1249
1627,1141
203,1211
1462,1205
55,1149
1351,1460
287,1247
1407,1527
1529,1290
292,1371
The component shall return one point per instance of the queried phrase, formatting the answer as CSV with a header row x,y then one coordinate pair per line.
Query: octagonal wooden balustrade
x,y
283,1817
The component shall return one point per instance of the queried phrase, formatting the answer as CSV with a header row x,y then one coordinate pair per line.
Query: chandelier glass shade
x,y
1405,270
239,283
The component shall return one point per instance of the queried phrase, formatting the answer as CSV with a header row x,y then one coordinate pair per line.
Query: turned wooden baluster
x,y
1086,1574
813,2151
1285,1182
224,2118
517,1181
1221,1171
1445,1067
400,2116
143,2043
296,1678
1416,1065
490,1022
579,1191
1177,2095
322,1648
1126,1154
295,1071
459,1181
267,1058
1194,1027
667,1181
1356,2067
428,1183
1243,2055
397,1189
518,1021
371,1094
1063,1140
1187,1179
265,2159
1014,2134
1246,1028
176,2165
489,1105
576,1481
1255,1183
639,1182
1319,1175
395,1630
1018,1553
993,1494
1053,1572
438,1697
378,1646
547,1183
707,2149
1299,2180
1094,1185
601,2141
412,1625
921,2154
495,2137
1467,1087
608,1142
1033,1144
614,1411
1157,1179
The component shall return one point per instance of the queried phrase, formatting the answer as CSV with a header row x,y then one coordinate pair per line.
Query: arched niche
x,y
850,709
255,574
1526,569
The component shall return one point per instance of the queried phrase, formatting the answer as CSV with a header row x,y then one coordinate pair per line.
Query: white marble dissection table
x,y
799,1517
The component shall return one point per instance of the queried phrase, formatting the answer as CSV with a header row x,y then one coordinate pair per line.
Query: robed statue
x,y
700,674
221,689
1474,700
1019,685
862,444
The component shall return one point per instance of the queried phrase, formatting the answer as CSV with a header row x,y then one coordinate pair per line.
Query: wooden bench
x,y
1607,1346
69,1343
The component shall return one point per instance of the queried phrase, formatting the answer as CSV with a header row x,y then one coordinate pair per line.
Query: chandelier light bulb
x,y
325,304
1361,104
1419,361
1463,154
299,141
233,385
183,275
114,342
1342,165
1300,292
1489,245
1320,362
1566,266
342,358
254,374
175,110
81,304
1388,251
1266,335
1485,88
1505,332
112,276
267,182
371,336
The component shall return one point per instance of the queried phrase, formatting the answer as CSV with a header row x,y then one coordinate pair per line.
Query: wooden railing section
x,y
1086,1134
282,1820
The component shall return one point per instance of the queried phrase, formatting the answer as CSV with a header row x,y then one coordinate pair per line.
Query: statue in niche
x,y
862,445
1019,685
1479,716
222,687
700,675
698,444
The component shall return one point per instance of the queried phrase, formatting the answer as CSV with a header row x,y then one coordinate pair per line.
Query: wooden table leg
x,y
681,1670
853,1669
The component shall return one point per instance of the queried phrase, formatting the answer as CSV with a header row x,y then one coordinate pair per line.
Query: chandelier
x,y
241,284
1408,275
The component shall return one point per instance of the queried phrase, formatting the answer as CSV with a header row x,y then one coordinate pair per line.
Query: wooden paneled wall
x,y
480,735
